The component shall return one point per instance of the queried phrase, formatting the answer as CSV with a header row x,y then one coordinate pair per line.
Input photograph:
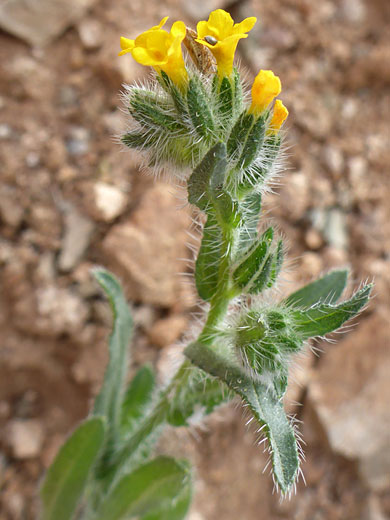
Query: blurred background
x,y
70,199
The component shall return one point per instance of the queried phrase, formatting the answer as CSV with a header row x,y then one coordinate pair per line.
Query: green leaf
x,y
151,487
253,265
213,165
324,318
199,109
207,263
177,510
327,289
264,404
108,403
201,393
67,476
137,398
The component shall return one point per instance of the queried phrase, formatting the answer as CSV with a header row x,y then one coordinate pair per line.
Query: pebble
x,y
78,140
109,200
91,33
77,235
25,437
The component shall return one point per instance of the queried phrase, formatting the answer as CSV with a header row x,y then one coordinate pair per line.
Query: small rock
x,y
59,311
91,33
40,21
25,438
334,159
147,247
77,234
109,200
335,231
311,265
168,330
77,142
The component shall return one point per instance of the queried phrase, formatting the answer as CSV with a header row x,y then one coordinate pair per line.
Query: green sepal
x,y
277,263
225,100
212,165
202,393
253,262
152,486
324,318
137,398
253,143
327,289
249,208
239,134
153,114
65,480
140,140
265,406
199,109
176,95
238,97
257,173
261,281
207,263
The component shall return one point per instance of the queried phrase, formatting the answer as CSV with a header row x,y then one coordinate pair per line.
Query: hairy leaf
x,y
177,509
199,109
264,404
108,403
327,289
67,476
324,318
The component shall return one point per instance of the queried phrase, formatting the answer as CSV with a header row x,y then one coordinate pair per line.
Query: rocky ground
x,y
69,199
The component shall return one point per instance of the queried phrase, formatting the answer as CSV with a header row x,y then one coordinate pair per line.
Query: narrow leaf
x,y
327,289
66,478
324,318
108,403
137,398
265,406
150,487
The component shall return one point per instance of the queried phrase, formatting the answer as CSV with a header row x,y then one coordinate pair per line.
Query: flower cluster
x,y
162,50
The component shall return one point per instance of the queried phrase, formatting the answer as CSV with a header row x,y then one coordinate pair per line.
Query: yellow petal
x,y
221,20
279,116
178,30
245,26
163,22
264,89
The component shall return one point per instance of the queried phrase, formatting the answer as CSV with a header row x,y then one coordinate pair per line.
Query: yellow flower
x,y
264,89
159,49
278,118
220,34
